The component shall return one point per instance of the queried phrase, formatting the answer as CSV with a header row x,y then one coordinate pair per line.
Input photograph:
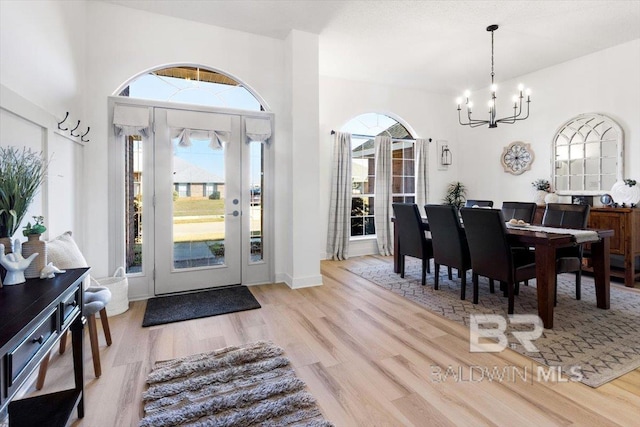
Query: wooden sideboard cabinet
x,y
33,317
625,243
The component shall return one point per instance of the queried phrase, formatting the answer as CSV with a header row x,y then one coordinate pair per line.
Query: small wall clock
x,y
517,157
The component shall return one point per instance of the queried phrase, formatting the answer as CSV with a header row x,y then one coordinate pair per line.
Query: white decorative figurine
x,y
15,265
49,271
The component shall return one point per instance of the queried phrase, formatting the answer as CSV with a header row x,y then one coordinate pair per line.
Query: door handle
x,y
234,213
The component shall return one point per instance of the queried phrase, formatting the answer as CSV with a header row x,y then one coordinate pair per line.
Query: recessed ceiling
x,y
440,46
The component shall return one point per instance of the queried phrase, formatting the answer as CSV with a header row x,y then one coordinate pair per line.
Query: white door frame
x,y
141,285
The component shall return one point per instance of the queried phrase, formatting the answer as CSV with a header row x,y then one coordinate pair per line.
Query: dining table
x,y
546,244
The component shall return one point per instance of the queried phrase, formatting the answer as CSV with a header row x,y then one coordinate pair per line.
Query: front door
x,y
198,207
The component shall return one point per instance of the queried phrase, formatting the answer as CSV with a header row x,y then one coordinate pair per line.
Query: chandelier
x,y
493,122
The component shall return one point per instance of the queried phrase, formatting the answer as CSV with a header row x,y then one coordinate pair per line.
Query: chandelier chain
x,y
492,73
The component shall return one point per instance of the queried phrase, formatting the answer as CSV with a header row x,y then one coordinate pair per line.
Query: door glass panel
x,y
198,205
256,159
133,203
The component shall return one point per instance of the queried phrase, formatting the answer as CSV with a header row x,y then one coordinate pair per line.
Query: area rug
x,y
598,345
176,308
241,386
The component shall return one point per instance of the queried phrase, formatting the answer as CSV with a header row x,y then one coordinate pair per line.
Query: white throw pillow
x,y
64,253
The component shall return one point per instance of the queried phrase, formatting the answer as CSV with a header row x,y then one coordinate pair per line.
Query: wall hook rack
x,y
63,120
71,130
85,134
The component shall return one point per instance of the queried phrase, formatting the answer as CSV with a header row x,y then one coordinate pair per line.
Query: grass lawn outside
x,y
186,206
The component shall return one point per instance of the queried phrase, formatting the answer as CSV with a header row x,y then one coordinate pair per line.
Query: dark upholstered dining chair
x,y
519,210
479,203
412,240
491,253
568,260
449,243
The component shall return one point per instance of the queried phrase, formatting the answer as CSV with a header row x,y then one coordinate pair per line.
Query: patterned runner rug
x,y
248,385
598,345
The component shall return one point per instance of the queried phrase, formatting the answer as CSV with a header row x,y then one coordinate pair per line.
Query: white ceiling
x,y
441,46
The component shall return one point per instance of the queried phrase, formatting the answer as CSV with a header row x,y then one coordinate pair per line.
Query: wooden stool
x,y
95,301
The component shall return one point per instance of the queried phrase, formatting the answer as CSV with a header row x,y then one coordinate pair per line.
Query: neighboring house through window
x,y
363,129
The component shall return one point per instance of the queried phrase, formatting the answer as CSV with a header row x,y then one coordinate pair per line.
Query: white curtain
x,y
340,204
258,129
382,195
188,125
422,173
131,120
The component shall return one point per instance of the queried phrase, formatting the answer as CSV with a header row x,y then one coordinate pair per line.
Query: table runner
x,y
581,236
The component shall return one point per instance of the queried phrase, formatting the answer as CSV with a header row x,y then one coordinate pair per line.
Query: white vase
x,y
622,193
539,196
551,198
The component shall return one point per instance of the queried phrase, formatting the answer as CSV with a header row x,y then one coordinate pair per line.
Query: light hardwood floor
x,y
369,357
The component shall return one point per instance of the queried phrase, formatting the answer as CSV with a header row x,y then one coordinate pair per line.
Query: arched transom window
x,y
192,85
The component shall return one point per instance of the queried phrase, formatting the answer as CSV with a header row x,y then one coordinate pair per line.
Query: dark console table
x,y
33,317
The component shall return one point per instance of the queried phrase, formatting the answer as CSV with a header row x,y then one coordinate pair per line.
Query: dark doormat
x,y
176,308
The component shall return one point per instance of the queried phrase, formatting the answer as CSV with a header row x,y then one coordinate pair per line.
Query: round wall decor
x,y
517,157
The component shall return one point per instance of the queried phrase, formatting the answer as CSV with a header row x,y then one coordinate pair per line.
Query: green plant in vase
x,y
456,194
36,229
22,171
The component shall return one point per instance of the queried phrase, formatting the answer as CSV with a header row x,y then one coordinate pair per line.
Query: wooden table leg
x,y
77,334
601,271
545,282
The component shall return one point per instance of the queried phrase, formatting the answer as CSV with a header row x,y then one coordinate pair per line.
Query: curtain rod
x,y
333,132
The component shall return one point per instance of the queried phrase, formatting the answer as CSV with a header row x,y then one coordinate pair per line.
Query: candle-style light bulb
x,y
470,106
467,94
458,101
494,87
520,87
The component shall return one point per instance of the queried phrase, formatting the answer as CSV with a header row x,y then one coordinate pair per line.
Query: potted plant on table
x,y
456,195
543,188
22,171
35,246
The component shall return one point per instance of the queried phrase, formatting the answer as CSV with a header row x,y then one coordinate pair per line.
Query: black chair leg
x,y
578,284
510,292
475,288
428,264
450,273
516,291
504,287
425,267
463,284
492,287
402,266
436,276
555,292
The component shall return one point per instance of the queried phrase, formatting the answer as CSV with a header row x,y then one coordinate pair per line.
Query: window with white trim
x,y
363,129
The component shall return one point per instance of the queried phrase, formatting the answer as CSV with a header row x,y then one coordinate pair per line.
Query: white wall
x,y
43,45
606,82
24,124
303,186
123,43
424,113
